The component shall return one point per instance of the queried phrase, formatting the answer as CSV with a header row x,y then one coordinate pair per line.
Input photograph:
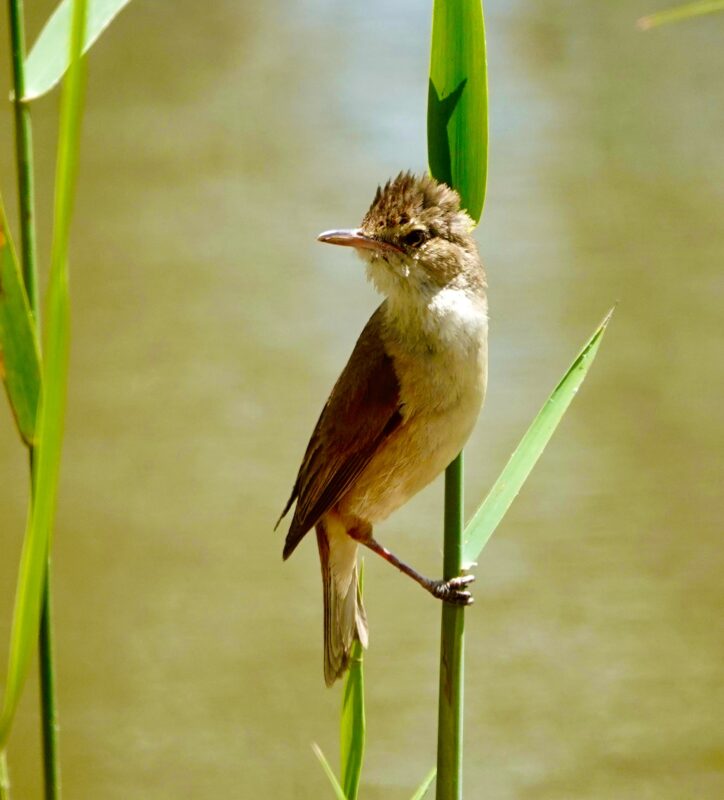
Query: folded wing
x,y
362,412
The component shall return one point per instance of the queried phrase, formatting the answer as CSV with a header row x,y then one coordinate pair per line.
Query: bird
x,y
405,403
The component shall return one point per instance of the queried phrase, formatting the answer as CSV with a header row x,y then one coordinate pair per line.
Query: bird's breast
x,y
440,357
442,387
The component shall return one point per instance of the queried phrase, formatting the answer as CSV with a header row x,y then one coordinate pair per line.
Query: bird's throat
x,y
451,320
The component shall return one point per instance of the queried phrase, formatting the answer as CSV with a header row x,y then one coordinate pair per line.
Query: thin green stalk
x,y
4,777
452,643
26,205
48,695
457,144
46,468
353,725
24,156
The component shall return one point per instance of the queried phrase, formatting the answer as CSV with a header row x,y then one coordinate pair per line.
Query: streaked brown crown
x,y
410,201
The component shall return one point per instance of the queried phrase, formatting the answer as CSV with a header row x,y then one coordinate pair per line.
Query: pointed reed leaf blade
x,y
19,352
353,722
425,785
51,410
329,772
48,59
511,479
679,13
457,108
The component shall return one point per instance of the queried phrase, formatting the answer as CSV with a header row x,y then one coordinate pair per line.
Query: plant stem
x,y
450,708
48,704
24,156
4,778
26,205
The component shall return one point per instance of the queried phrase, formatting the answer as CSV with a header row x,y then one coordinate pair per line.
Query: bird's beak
x,y
356,238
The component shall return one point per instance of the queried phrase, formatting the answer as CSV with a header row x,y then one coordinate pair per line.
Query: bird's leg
x,y
453,591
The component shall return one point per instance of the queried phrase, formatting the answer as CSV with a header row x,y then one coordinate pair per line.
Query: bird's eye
x,y
414,238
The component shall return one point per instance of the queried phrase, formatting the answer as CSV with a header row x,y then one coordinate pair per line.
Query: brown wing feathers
x,y
362,411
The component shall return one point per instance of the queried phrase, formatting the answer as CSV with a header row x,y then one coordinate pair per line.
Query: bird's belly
x,y
413,456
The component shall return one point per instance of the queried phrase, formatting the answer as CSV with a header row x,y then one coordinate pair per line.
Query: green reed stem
x,y
452,642
26,205
24,155
4,777
48,696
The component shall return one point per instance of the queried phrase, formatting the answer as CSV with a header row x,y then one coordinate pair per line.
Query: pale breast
x,y
441,390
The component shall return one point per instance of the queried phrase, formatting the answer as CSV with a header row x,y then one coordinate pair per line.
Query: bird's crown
x,y
410,203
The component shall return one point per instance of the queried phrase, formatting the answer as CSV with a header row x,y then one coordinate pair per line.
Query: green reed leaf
x,y
457,151
353,723
51,412
511,479
329,772
457,109
425,785
48,60
19,352
679,13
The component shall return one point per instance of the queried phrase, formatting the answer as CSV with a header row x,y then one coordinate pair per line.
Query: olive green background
x,y
208,327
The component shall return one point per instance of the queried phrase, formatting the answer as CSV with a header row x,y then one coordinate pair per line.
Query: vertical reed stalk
x,y
48,697
4,777
452,641
26,206
24,155
457,149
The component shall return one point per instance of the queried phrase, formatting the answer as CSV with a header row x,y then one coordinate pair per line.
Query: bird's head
x,y
415,239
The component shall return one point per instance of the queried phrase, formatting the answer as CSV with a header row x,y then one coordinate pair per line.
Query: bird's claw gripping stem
x,y
454,591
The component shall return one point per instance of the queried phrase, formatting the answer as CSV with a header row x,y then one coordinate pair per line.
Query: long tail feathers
x,y
344,615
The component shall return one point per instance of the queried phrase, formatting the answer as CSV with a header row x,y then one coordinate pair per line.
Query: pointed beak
x,y
355,238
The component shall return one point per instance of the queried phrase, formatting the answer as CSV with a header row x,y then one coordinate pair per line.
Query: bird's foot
x,y
454,591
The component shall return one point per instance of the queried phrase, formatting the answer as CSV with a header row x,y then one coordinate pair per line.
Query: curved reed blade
x,y
516,472
329,772
679,13
48,60
51,411
425,785
457,108
19,352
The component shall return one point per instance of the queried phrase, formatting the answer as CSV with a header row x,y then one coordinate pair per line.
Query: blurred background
x,y
209,326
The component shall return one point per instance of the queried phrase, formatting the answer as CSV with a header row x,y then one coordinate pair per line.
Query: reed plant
x,y
457,136
35,384
35,377
680,13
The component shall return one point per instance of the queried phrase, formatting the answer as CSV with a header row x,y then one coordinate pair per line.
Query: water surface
x,y
208,327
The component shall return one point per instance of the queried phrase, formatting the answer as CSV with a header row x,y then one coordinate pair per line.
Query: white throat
x,y
423,316
452,319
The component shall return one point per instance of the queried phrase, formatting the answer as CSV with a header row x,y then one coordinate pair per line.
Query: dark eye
x,y
414,238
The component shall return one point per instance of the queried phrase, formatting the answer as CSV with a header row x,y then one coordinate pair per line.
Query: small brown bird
x,y
407,400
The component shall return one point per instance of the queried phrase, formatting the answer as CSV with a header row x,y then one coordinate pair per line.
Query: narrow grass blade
x,y
517,470
353,722
457,107
48,60
26,615
329,772
19,353
679,13
425,785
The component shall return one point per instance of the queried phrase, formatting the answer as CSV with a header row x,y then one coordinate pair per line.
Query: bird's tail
x,y
344,615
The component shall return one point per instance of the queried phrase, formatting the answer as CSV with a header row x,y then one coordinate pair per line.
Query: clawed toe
x,y
454,591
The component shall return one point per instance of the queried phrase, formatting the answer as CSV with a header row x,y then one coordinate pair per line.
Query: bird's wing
x,y
361,413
